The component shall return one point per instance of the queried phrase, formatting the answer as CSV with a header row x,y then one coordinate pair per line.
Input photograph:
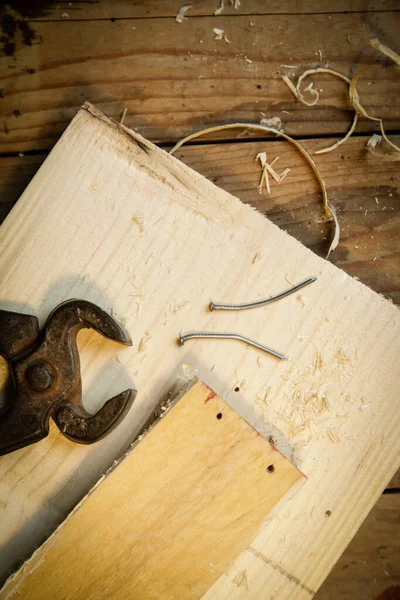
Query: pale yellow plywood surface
x,y
169,519
115,220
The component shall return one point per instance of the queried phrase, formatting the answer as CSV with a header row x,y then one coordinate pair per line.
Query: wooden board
x,y
188,80
370,565
364,188
136,231
103,9
168,520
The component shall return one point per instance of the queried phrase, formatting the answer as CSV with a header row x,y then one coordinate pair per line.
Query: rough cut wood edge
x,y
219,475
338,333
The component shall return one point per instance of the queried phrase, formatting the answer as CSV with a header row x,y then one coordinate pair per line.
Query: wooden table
x,y
176,78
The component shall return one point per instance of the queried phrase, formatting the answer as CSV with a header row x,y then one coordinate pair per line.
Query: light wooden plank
x,y
370,565
103,9
171,516
196,243
188,80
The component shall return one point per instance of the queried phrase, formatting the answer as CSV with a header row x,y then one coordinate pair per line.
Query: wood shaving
x,y
329,210
274,122
354,99
221,6
139,221
342,140
143,342
374,141
241,580
375,43
332,436
283,174
262,157
219,33
295,89
180,15
122,119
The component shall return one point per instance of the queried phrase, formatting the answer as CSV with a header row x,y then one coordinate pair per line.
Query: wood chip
x,y
180,15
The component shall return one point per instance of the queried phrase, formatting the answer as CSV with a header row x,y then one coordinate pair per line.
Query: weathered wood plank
x,y
104,9
187,79
395,482
370,565
364,189
184,503
197,242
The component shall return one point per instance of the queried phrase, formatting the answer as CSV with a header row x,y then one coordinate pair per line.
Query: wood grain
x,y
103,9
363,188
188,80
197,242
370,565
171,516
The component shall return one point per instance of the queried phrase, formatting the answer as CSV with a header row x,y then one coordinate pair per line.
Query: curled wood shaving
x,y
375,43
180,15
355,100
342,140
295,89
329,210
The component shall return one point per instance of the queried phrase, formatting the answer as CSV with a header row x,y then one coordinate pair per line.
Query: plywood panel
x,y
169,519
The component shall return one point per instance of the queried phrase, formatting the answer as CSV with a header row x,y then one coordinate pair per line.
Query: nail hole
x,y
328,513
237,389
271,469
219,416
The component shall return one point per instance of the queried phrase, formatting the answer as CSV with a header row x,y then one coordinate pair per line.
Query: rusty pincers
x,y
45,374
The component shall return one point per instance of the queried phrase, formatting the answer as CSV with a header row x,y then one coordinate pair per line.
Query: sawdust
x,y
241,580
256,257
139,221
309,410
144,342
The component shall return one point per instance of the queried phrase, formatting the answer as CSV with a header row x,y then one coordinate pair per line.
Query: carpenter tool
x,y
45,369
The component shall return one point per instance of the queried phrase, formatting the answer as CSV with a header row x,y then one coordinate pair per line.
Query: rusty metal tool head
x,y
45,371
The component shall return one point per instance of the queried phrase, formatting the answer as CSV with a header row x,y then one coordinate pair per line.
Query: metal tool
x,y
45,369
